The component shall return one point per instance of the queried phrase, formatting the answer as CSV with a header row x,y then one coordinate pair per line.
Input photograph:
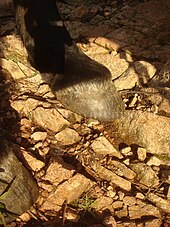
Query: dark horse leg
x,y
80,83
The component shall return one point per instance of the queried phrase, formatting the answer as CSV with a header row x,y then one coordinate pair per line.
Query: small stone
x,y
111,193
102,203
141,152
71,215
133,101
103,147
127,151
140,196
39,136
25,217
109,221
33,162
139,211
117,204
122,213
121,195
126,172
69,191
153,223
49,118
127,161
58,171
68,136
161,203
140,225
150,179
154,161
129,200
112,177
168,194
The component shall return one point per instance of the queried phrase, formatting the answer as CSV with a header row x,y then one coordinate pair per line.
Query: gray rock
x,y
21,189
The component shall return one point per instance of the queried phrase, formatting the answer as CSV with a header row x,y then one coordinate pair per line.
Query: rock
x,y
129,200
153,223
49,119
117,205
140,196
122,213
135,127
103,147
68,191
127,81
22,191
116,65
154,161
127,151
139,211
162,79
58,171
121,195
161,203
145,70
25,108
107,43
141,152
34,163
126,172
150,179
109,221
112,177
102,203
39,136
71,215
70,116
68,136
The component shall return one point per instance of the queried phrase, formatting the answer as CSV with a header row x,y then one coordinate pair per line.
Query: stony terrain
x,y
90,173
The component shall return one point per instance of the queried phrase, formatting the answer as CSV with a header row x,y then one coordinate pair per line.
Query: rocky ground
x,y
90,173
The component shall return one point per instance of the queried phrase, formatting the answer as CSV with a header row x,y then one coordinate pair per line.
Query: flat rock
x,y
39,136
103,147
150,179
68,191
161,203
102,203
128,80
139,211
68,136
126,172
58,171
49,119
112,177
